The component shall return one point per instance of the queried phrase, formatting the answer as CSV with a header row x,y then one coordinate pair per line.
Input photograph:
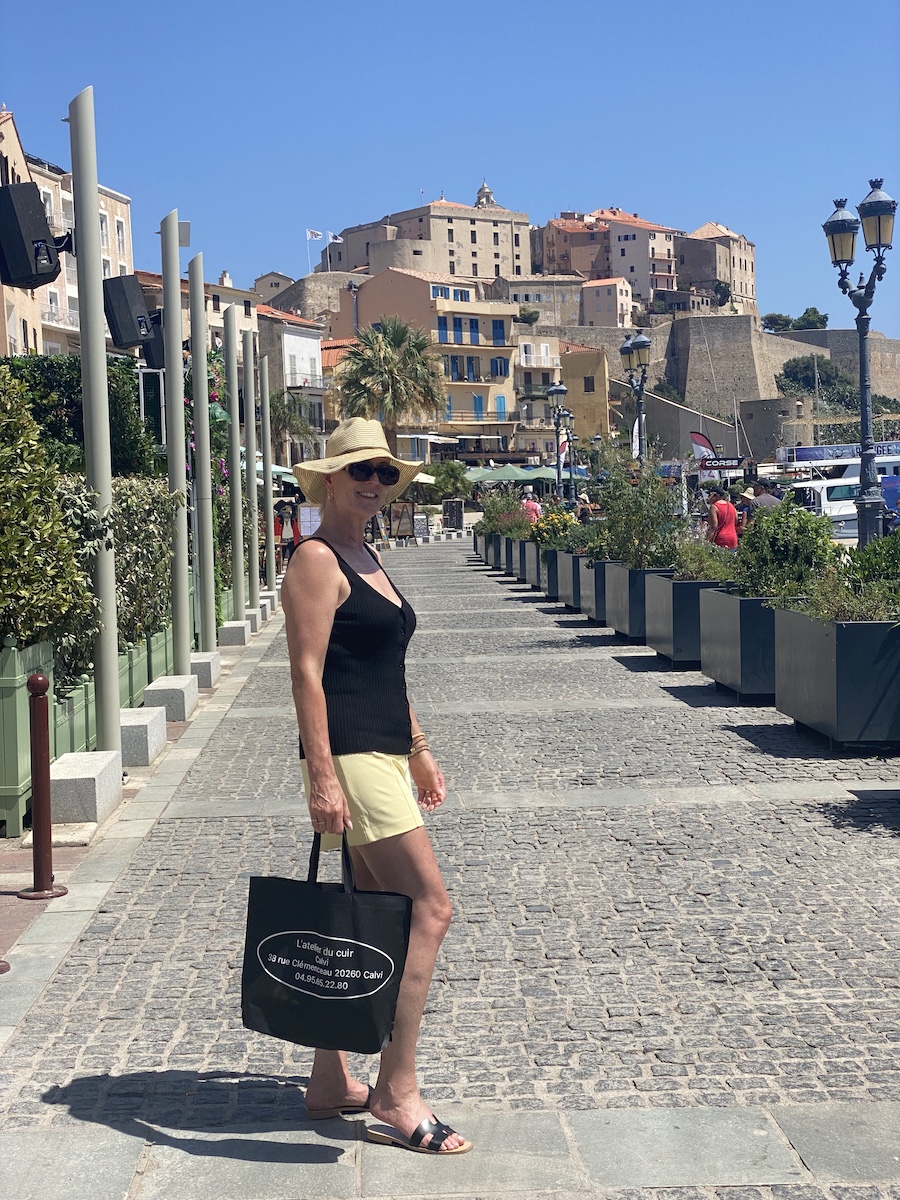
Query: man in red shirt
x,y
722,520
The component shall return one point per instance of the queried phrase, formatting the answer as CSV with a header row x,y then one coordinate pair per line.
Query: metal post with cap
x,y
250,466
176,448
265,433
95,393
232,384
204,549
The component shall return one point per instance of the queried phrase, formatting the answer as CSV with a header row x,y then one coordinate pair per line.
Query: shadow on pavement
x,y
784,741
874,809
642,663
699,695
147,1104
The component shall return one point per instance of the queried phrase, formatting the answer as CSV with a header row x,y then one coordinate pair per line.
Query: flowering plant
x,y
553,529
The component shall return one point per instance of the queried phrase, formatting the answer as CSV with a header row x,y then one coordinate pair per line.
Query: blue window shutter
x,y
474,337
501,407
470,369
498,332
442,329
478,407
458,330
448,411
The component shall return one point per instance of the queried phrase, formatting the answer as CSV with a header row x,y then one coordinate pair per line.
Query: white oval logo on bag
x,y
328,968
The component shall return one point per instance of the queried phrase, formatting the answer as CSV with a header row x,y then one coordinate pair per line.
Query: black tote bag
x,y
323,961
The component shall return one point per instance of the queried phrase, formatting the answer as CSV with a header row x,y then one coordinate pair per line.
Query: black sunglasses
x,y
362,472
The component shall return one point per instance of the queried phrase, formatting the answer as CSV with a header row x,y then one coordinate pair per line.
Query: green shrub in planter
x,y
702,561
643,525
501,510
783,551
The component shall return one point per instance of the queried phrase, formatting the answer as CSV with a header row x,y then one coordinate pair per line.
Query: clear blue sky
x,y
256,121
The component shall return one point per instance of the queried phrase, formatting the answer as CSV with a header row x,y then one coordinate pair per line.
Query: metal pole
x,y
203,551
250,467
571,445
42,843
268,497
556,423
176,448
869,501
235,487
95,393
639,412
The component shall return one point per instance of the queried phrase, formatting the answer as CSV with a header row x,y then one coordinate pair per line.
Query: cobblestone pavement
x,y
661,899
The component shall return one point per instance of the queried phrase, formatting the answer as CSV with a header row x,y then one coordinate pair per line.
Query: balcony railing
x,y
533,389
485,340
59,222
488,416
538,360
301,379
64,318
487,378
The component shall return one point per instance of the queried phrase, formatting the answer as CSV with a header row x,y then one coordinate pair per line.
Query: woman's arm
x,y
426,774
311,593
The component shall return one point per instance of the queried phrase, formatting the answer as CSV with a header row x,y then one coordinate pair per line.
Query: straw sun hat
x,y
354,440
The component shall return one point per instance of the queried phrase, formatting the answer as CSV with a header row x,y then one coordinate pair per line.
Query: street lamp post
x,y
876,212
573,447
635,353
558,393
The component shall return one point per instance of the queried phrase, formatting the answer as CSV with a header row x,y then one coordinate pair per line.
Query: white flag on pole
x,y
313,235
334,240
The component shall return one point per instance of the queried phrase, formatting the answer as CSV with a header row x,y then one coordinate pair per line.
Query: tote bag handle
x,y
347,877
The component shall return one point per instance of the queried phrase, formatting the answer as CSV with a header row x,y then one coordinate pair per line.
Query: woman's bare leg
x,y
406,864
330,1082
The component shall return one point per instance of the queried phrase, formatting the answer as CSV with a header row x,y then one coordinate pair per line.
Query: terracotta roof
x,y
712,229
626,218
434,277
606,282
266,310
333,350
154,279
577,348
564,225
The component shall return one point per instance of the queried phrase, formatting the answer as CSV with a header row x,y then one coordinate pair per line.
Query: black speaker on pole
x,y
153,348
126,311
28,254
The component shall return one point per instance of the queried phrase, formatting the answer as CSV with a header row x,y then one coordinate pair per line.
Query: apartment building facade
x,y
607,302
293,346
20,327
641,251
478,241
60,318
476,338
573,243
556,298
218,297
714,255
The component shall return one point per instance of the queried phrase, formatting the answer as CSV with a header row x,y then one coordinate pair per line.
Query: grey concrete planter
x,y
495,551
673,618
510,553
592,589
625,599
737,644
533,564
841,678
569,579
549,568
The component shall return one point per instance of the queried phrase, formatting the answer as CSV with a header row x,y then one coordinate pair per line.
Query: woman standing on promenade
x,y
347,630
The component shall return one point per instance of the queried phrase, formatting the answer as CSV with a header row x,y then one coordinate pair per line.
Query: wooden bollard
x,y
41,833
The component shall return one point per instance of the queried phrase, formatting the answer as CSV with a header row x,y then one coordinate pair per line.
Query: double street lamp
x,y
876,212
557,393
635,353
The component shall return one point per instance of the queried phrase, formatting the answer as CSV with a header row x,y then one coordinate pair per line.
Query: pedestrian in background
x,y
530,506
721,520
348,629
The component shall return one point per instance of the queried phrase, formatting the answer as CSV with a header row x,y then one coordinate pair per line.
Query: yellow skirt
x,y
379,795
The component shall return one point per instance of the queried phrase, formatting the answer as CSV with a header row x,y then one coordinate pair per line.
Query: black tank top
x,y
365,672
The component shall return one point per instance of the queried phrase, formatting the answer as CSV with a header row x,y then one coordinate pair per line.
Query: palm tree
x,y
285,418
393,374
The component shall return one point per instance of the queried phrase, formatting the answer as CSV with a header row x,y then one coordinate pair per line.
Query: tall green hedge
x,y
44,587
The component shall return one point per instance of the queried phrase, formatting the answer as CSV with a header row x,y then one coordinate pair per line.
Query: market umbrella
x,y
506,474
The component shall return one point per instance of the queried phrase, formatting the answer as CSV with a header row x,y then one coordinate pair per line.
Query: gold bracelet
x,y
418,750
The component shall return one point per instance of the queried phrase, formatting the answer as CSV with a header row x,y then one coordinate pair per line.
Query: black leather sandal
x,y
384,1135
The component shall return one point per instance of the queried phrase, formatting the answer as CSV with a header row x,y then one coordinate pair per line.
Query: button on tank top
x,y
364,678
